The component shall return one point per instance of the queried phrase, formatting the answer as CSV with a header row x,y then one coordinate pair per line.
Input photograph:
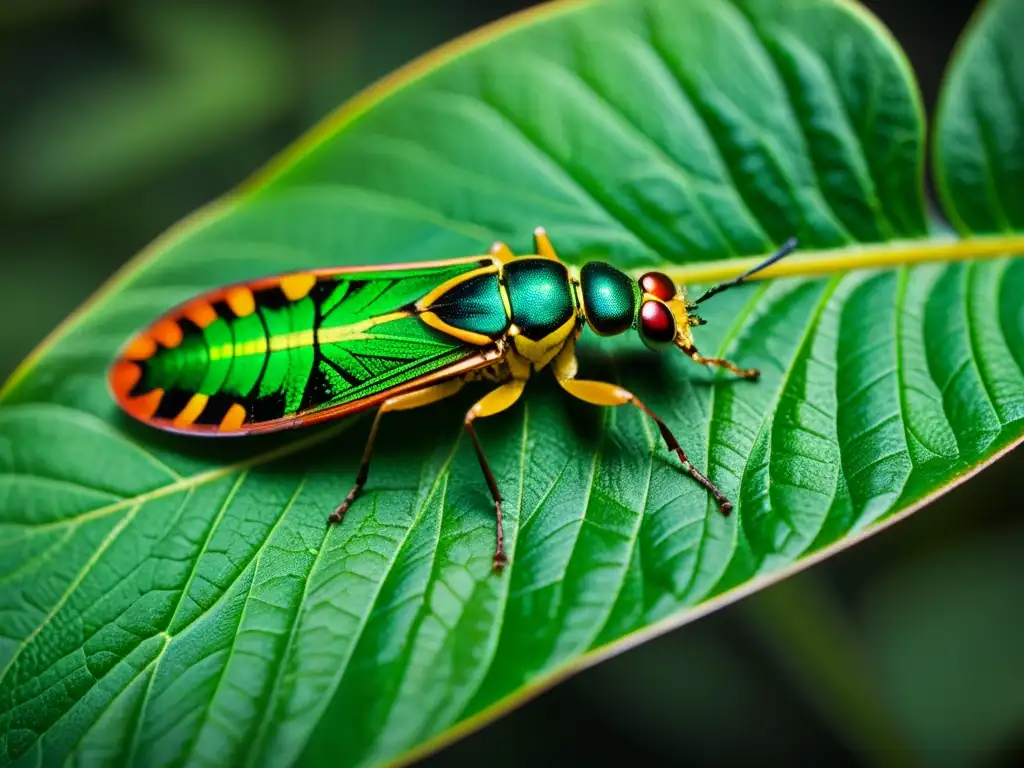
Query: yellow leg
x,y
404,402
502,252
747,373
605,393
493,402
542,246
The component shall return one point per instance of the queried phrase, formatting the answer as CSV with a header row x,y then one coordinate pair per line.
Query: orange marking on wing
x,y
142,347
124,374
234,418
191,411
167,332
296,287
200,312
144,406
241,301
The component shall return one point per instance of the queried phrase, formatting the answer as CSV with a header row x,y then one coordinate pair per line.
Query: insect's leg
x,y
493,402
502,251
747,373
605,393
398,403
542,245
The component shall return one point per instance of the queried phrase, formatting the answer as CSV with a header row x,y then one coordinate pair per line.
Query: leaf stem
x,y
894,253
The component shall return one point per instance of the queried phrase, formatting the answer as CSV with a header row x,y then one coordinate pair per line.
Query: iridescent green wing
x,y
292,349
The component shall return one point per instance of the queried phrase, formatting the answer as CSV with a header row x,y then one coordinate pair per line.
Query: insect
x,y
303,347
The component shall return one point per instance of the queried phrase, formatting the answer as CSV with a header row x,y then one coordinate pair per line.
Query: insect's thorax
x,y
530,300
542,305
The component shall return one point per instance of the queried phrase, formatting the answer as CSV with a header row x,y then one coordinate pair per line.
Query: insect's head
x,y
613,302
666,315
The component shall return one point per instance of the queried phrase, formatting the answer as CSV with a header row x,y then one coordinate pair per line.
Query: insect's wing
x,y
291,349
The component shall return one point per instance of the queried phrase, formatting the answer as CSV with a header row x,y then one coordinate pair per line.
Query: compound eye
x,y
658,284
657,325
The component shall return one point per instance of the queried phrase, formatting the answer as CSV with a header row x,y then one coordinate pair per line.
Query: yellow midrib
x,y
890,254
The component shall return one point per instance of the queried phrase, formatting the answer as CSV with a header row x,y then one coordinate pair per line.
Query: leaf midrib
x,y
807,263
889,254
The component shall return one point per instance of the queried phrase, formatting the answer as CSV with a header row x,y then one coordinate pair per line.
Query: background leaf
x,y
169,600
101,133
978,165
920,651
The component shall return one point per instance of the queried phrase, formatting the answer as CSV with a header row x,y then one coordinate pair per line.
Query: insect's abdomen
x,y
225,359
253,356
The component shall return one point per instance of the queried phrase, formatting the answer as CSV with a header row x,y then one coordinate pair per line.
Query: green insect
x,y
304,347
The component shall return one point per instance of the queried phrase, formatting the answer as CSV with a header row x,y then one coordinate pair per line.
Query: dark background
x,y
118,119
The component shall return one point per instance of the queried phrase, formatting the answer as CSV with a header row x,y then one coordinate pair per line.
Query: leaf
x,y
978,168
172,601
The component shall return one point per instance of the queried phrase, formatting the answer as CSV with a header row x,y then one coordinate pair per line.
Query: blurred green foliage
x,y
119,119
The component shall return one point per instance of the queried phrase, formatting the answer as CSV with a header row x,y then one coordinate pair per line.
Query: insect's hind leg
x,y
495,401
607,394
404,402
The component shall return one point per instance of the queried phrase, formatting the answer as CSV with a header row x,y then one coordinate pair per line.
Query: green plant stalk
x,y
807,633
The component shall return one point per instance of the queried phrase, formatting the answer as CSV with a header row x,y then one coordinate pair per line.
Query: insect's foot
x,y
751,374
723,503
337,515
500,561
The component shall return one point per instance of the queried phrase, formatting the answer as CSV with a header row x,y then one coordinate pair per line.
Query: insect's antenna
x,y
787,248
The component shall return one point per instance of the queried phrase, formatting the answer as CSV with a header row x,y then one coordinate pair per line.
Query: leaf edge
x,y
591,658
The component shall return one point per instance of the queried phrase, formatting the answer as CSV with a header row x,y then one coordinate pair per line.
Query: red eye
x,y
658,284
657,326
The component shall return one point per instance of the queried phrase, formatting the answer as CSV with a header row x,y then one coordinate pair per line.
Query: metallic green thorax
x,y
541,299
540,295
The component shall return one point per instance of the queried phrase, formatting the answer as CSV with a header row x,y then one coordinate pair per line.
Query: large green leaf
x,y
167,600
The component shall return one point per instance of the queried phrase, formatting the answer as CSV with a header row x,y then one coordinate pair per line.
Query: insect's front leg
x,y
747,373
608,394
404,402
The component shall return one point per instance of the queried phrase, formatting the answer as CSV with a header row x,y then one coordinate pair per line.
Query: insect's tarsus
x,y
673,445
500,561
751,374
